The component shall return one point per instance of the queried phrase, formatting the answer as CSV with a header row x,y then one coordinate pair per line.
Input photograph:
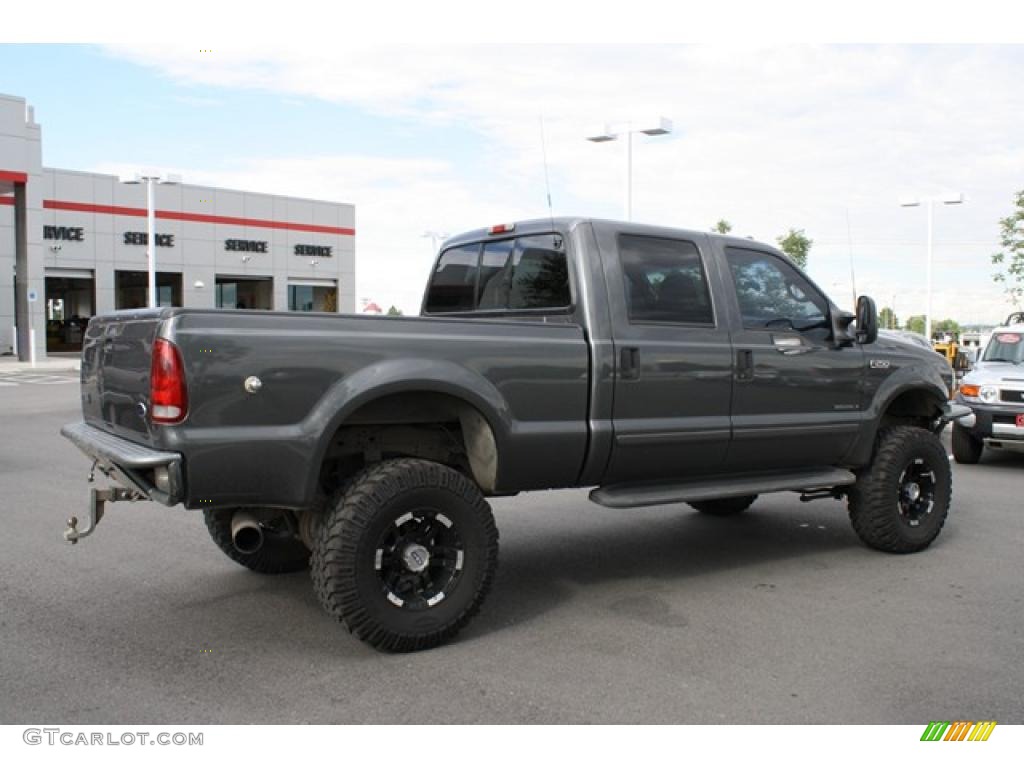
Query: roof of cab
x,y
568,223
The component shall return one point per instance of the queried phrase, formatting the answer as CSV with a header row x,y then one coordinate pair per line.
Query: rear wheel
x,y
724,507
967,448
278,551
406,554
900,502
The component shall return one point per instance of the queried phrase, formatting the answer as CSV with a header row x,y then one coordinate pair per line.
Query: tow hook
x,y
98,497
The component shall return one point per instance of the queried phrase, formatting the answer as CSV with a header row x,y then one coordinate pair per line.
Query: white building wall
x,y
198,253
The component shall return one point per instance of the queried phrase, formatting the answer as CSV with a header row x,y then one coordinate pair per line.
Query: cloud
x,y
769,138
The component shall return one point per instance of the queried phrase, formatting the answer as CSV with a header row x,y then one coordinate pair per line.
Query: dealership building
x,y
74,244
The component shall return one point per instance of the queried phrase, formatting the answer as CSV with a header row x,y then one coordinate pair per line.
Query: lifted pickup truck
x,y
656,365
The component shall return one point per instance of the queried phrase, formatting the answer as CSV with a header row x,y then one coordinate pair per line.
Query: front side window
x,y
665,282
524,273
774,295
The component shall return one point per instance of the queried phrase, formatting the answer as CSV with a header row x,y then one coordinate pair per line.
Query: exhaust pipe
x,y
246,534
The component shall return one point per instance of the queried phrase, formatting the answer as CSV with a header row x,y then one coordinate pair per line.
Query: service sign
x,y
1008,338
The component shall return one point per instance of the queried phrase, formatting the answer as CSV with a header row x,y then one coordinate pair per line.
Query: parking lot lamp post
x,y
613,131
928,203
149,180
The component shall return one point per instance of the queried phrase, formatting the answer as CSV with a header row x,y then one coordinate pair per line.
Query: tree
x,y
915,323
1011,259
796,245
946,326
723,227
393,310
887,319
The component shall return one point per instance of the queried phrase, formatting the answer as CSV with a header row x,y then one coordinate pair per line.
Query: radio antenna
x,y
849,242
547,181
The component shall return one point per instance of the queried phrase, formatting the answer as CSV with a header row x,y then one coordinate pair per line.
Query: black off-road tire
x,y
967,448
724,507
281,552
363,579
883,507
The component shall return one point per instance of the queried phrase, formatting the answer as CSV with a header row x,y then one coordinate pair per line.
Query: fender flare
x,y
908,379
391,377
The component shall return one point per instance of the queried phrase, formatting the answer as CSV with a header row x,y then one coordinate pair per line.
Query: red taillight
x,y
168,397
500,229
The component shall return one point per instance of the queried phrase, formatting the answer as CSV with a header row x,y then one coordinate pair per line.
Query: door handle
x,y
744,365
790,345
629,363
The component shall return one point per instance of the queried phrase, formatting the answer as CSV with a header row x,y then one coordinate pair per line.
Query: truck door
x,y
673,359
796,397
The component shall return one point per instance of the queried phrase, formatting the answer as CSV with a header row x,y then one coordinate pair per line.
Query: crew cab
x,y
652,365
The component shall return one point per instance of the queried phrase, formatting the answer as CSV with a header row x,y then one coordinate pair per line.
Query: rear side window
x,y
665,281
453,285
524,273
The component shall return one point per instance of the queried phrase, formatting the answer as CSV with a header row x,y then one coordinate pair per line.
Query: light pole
x,y
613,131
149,180
435,238
928,203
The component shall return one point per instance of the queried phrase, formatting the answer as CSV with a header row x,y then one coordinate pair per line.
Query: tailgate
x,y
116,358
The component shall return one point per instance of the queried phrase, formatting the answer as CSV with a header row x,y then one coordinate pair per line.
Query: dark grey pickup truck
x,y
655,365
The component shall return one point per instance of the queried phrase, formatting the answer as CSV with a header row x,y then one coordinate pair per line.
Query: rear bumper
x,y
155,474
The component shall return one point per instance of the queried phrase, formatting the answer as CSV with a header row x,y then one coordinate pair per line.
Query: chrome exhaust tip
x,y
246,533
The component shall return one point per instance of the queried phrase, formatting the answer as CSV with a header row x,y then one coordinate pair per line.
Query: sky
x,y
444,138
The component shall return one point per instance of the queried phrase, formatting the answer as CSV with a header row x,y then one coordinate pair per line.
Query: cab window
x,y
664,281
774,295
513,275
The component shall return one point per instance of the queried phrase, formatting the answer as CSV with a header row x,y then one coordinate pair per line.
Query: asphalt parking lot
x,y
660,615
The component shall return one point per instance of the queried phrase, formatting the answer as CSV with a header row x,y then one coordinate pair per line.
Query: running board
x,y
625,495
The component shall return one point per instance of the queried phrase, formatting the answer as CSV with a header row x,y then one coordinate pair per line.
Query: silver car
x,y
994,391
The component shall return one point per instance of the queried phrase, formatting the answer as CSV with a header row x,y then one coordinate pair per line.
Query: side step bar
x,y
626,495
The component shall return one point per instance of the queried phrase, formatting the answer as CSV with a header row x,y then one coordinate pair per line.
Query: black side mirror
x,y
867,320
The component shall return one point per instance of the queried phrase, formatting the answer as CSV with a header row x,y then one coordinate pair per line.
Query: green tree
x,y
915,323
796,245
1010,260
394,310
946,326
887,319
723,227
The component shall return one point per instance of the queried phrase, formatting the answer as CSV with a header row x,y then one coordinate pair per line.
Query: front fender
x,y
920,377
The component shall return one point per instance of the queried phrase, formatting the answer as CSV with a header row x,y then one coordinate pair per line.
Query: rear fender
x,y
390,377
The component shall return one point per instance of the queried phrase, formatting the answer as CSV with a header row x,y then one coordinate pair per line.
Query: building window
x,y
312,298
130,289
244,293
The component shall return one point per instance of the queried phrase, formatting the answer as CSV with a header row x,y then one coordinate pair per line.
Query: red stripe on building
x,y
203,218
15,176
6,201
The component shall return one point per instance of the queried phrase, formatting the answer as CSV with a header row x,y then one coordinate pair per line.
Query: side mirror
x,y
867,320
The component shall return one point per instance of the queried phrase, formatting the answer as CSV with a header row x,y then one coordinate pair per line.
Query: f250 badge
x,y
879,363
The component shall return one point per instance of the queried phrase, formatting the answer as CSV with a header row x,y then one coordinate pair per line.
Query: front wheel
x,y
900,501
406,554
966,447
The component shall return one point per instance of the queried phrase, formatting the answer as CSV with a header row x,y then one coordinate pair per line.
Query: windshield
x,y
1005,348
